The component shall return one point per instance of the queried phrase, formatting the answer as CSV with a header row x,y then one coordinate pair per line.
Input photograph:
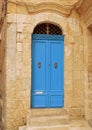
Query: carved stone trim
x,y
48,7
79,3
52,7
87,17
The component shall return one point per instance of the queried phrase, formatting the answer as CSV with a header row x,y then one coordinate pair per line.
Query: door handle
x,y
55,65
39,65
39,92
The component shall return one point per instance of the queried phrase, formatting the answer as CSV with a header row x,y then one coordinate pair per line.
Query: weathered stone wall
x,y
17,76
20,25
15,58
74,67
2,75
85,12
0,103
2,62
3,5
88,73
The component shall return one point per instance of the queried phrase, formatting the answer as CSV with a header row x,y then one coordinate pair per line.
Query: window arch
x,y
47,28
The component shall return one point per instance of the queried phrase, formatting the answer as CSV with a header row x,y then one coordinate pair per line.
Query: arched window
x,y
47,28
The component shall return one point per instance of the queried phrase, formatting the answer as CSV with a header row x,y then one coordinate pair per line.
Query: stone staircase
x,y
47,119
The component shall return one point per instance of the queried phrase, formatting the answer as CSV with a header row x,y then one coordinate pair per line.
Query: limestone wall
x,y
3,5
85,12
2,75
20,25
2,62
15,59
0,104
88,73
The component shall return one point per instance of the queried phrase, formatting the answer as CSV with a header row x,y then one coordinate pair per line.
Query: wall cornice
x,y
85,12
87,17
79,3
34,8
51,7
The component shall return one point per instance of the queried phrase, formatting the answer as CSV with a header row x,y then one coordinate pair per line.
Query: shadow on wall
x,y
0,109
90,122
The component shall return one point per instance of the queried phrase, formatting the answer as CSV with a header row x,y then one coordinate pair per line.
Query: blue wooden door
x,y
47,71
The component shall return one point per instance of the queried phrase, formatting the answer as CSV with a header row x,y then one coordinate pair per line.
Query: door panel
x,y
56,100
57,74
56,70
39,97
39,101
39,56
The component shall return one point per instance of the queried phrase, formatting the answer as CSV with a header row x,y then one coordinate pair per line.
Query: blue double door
x,y
47,71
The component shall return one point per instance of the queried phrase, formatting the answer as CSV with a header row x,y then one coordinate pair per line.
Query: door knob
x,y
55,65
39,65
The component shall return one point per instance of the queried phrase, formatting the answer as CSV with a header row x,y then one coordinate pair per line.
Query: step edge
x,y
33,127
60,117
32,111
47,114
50,126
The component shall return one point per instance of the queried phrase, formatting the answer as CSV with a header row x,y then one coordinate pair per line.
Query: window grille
x,y
47,28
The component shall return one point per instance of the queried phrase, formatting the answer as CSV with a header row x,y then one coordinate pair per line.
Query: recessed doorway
x,y
47,67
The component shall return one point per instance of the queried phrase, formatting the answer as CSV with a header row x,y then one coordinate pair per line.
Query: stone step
x,y
56,127
47,112
47,117
48,120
